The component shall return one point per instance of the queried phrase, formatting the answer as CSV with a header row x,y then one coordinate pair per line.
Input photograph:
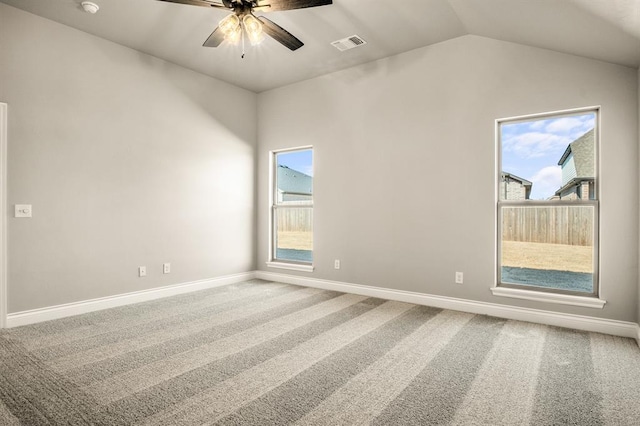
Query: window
x,y
292,209
548,203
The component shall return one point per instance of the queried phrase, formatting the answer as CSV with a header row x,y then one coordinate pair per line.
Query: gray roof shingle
x,y
583,155
291,181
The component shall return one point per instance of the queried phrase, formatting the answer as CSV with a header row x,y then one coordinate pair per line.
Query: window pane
x,y
294,234
548,159
294,177
548,246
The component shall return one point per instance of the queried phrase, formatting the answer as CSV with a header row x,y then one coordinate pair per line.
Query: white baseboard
x,y
60,311
600,325
578,322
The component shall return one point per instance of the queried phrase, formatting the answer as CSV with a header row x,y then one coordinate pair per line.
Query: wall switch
x,y
23,210
336,264
459,277
166,268
142,271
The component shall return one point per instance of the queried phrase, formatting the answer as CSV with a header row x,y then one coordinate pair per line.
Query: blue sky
x,y
531,149
301,161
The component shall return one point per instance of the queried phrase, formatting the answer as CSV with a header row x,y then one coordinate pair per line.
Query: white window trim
x,y
557,298
273,262
290,266
591,301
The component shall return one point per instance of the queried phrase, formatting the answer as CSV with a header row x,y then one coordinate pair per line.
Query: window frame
x,y
275,205
532,292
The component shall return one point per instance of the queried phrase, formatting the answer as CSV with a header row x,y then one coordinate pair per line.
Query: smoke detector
x,y
90,7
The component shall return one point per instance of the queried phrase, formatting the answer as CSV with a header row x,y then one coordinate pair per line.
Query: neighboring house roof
x,y
573,182
583,155
294,182
514,177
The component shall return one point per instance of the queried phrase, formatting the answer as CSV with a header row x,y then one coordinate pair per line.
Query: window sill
x,y
538,296
290,266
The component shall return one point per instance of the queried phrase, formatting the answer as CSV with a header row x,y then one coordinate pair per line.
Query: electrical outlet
x,y
166,268
336,264
459,277
23,210
142,271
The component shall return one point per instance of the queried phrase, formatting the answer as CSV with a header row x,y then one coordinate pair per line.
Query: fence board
x,y
571,225
295,220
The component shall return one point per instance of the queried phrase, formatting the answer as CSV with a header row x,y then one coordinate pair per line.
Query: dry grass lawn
x,y
295,240
559,257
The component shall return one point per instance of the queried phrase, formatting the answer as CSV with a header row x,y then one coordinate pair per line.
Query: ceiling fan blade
x,y
277,5
215,38
203,3
279,34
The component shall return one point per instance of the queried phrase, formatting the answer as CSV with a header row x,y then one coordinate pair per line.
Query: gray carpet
x,y
264,353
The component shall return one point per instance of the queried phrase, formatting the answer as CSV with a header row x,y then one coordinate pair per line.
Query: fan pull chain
x,y
242,35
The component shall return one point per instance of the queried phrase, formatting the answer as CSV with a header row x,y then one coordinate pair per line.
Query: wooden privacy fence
x,y
295,219
572,225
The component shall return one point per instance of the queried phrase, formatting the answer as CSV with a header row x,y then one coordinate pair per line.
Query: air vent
x,y
348,43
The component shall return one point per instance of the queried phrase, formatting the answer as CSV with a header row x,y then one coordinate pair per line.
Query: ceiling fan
x,y
234,26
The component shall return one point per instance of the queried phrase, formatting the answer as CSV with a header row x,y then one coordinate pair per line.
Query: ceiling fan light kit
x,y
253,27
242,20
230,27
229,24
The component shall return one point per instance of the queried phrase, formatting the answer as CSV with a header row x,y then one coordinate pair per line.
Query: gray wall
x,y
128,160
405,164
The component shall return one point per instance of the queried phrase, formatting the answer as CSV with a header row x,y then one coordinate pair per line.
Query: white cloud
x,y
573,127
588,123
307,170
564,125
537,125
535,144
546,182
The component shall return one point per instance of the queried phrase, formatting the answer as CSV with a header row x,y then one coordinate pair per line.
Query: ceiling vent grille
x,y
349,43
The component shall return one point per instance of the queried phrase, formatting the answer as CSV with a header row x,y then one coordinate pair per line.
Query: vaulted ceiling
x,y
607,30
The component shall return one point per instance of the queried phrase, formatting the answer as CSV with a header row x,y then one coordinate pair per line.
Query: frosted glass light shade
x,y
229,25
253,27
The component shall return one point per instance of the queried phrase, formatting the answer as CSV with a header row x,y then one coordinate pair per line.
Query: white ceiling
x,y
607,30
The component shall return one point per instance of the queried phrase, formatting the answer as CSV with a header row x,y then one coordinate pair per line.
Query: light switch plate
x,y
23,210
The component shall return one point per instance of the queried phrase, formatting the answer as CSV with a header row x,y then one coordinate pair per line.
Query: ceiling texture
x,y
607,30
